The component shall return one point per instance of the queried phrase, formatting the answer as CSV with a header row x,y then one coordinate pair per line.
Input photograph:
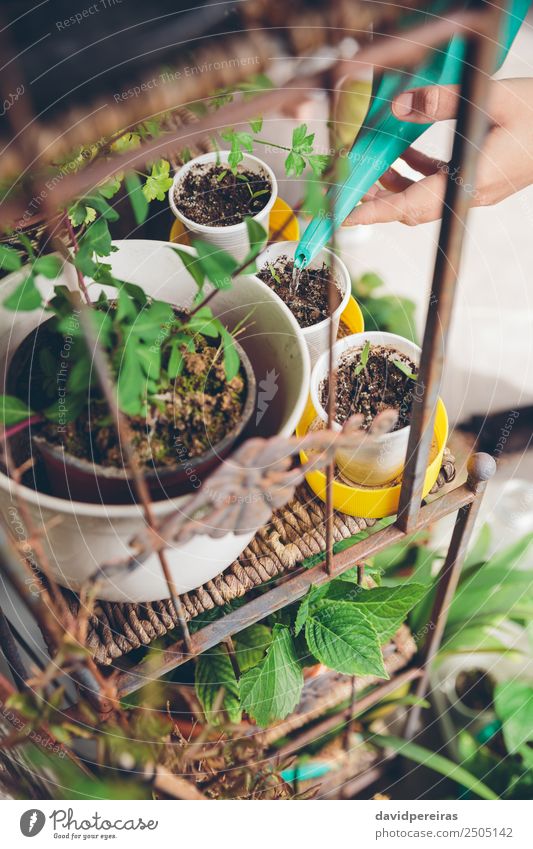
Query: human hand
x,y
505,163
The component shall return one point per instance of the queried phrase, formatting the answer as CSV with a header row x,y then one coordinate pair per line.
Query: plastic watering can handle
x,y
383,137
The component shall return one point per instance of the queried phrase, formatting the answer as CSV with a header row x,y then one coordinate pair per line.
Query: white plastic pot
x,y
511,662
375,460
317,336
234,238
79,537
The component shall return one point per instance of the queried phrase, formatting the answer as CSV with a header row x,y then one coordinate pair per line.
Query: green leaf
x,y
298,135
25,297
110,188
341,636
98,202
78,213
500,587
96,240
272,689
159,181
251,645
309,602
318,162
404,368
239,140
366,284
10,259
257,236
232,362
13,410
193,266
217,265
436,762
363,359
131,381
513,702
386,608
478,638
49,266
153,322
294,164
125,307
256,124
138,201
213,671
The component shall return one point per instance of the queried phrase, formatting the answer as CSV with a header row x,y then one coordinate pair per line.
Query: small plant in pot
x,y
305,291
212,199
375,385
183,382
213,194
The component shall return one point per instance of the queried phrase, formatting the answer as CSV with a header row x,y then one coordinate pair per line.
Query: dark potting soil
x,y
378,386
475,688
186,418
308,301
212,194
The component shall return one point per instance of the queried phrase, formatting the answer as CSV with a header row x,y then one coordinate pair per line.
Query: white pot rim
x,y
160,508
343,280
212,157
357,340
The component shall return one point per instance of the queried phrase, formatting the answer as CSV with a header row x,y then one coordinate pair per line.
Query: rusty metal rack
x,y
480,28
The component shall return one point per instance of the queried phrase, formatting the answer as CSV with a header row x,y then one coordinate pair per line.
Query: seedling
x,y
404,368
273,274
365,353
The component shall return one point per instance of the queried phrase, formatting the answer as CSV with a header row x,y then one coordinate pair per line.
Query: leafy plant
x,y
339,624
300,154
436,762
27,296
144,338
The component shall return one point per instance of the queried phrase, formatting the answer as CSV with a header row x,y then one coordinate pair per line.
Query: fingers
x,y
420,162
394,182
419,203
427,104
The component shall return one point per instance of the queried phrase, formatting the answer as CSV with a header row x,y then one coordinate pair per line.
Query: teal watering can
x,y
383,137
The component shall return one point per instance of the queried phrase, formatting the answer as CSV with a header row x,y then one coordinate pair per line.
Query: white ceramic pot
x,y
234,238
317,336
79,537
376,460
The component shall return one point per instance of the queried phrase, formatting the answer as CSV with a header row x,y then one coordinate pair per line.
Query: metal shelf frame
x,y
480,28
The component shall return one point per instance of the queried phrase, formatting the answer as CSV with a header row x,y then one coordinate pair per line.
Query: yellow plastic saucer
x,y
372,503
282,219
352,316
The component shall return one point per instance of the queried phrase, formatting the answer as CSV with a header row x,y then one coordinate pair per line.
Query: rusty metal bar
x,y
472,125
481,467
379,692
11,653
291,590
386,51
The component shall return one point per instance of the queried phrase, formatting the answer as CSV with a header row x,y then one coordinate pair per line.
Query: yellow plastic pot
x,y
372,503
